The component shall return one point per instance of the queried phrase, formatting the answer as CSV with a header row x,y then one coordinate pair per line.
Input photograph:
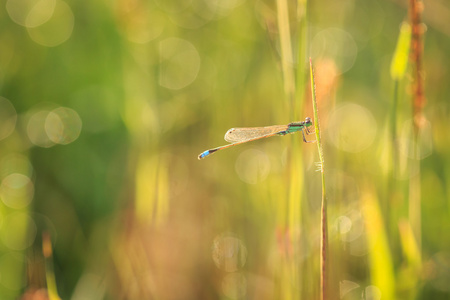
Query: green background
x,y
105,106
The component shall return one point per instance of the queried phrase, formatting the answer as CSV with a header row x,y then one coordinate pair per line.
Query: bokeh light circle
x,y
229,253
36,129
179,63
352,128
16,190
41,12
30,13
347,286
223,8
144,26
63,125
372,293
18,231
350,226
252,166
173,6
8,118
344,224
416,149
194,17
57,29
335,44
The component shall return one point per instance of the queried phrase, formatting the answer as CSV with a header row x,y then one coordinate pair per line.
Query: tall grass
x,y
47,251
324,255
134,215
418,120
294,89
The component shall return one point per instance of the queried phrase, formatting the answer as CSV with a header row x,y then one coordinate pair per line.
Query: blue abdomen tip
x,y
204,154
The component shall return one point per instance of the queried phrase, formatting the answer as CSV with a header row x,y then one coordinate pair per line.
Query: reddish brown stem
x,y
416,8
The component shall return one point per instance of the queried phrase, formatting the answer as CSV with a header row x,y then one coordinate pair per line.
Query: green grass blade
x,y
324,225
381,267
286,49
400,59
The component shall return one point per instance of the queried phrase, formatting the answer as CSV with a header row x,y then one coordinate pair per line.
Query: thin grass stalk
x,y
393,129
392,182
292,214
415,9
301,84
393,172
415,190
380,258
286,50
49,273
398,68
324,225
302,6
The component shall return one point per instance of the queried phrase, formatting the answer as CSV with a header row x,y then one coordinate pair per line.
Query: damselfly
x,y
238,136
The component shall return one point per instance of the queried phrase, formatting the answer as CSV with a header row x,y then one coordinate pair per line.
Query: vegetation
x,y
105,106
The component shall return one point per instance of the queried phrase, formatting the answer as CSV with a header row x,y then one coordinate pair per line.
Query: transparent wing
x,y
235,135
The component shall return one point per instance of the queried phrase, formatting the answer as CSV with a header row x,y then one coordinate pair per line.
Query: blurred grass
x,y
380,260
132,213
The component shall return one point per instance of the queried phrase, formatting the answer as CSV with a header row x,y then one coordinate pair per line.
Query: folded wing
x,y
235,135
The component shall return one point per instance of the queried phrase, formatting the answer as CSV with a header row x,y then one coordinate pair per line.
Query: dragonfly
x,y
237,136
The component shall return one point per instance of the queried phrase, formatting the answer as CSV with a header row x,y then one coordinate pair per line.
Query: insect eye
x,y
308,120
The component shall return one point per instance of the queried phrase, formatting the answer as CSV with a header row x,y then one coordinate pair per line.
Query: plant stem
x,y
324,224
49,273
293,209
286,50
394,145
416,8
393,171
302,6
